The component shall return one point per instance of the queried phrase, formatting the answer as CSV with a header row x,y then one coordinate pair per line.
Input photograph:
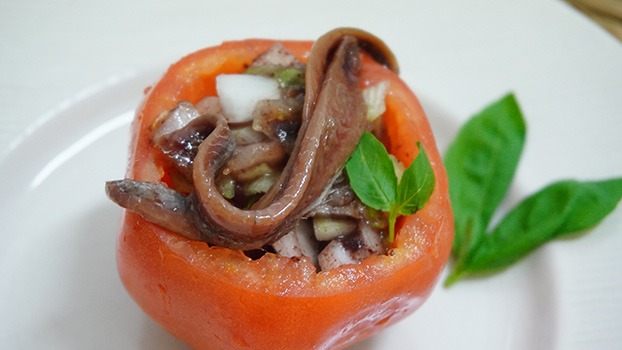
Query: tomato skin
x,y
217,298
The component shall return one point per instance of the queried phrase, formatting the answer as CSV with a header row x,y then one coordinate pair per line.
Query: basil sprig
x,y
373,179
480,164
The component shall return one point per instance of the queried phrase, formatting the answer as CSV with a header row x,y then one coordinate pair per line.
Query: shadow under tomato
x,y
367,344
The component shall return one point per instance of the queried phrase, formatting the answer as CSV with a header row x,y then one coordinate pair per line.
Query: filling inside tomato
x,y
260,166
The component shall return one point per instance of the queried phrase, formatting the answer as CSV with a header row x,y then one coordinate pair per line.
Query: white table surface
x,y
53,52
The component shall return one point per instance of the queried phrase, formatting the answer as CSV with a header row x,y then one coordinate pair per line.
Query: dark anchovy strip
x,y
332,125
156,203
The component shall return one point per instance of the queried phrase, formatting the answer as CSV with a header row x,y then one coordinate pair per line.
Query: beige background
x,y
608,13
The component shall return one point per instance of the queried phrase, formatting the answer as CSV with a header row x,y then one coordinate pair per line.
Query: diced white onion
x,y
298,243
335,255
239,93
398,166
369,241
374,99
177,118
326,229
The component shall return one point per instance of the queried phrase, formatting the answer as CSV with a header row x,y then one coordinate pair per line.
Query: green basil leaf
x,y
480,164
371,173
416,185
559,209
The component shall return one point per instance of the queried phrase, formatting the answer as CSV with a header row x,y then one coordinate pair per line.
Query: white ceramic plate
x,y
58,244
58,283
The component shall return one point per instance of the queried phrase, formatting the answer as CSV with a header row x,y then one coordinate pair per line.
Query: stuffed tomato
x,y
241,229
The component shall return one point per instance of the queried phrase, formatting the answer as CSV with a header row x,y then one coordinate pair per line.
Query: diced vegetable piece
x,y
334,255
261,184
239,93
290,77
374,99
246,135
326,228
226,187
398,166
298,243
177,118
368,242
351,249
276,57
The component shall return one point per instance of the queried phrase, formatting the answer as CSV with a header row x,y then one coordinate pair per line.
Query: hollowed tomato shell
x,y
217,298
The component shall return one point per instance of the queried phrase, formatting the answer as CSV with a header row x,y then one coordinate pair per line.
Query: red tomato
x,y
218,298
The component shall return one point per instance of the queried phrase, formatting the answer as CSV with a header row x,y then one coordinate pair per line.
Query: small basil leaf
x,y
371,173
416,185
480,164
559,209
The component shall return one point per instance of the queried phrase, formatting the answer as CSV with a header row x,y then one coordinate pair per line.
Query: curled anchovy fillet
x,y
333,120
156,203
